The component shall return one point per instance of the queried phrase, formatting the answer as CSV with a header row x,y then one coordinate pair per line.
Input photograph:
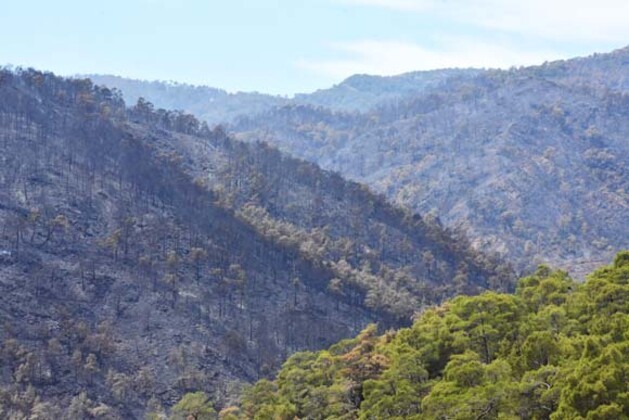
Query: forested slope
x,y
527,162
530,162
143,255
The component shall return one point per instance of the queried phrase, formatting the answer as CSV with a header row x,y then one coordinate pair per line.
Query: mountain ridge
x,y
543,121
387,147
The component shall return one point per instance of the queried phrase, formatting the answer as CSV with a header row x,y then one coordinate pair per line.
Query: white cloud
x,y
506,33
559,20
394,57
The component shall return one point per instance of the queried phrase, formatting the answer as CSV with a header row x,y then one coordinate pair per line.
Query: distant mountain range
x,y
530,162
357,93
210,104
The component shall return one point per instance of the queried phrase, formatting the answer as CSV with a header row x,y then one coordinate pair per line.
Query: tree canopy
x,y
556,349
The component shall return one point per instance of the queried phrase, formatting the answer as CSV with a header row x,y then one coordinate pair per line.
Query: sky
x,y
289,46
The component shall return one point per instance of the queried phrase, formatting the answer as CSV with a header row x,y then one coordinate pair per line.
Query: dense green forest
x,y
555,349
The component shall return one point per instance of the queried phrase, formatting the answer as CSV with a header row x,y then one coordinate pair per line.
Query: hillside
x,y
143,255
530,162
556,349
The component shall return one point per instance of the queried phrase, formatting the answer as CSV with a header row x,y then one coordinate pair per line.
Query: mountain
x,y
215,106
555,349
530,163
143,255
364,92
210,104
599,71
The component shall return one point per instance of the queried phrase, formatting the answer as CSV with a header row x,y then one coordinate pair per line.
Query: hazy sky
x,y
288,46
